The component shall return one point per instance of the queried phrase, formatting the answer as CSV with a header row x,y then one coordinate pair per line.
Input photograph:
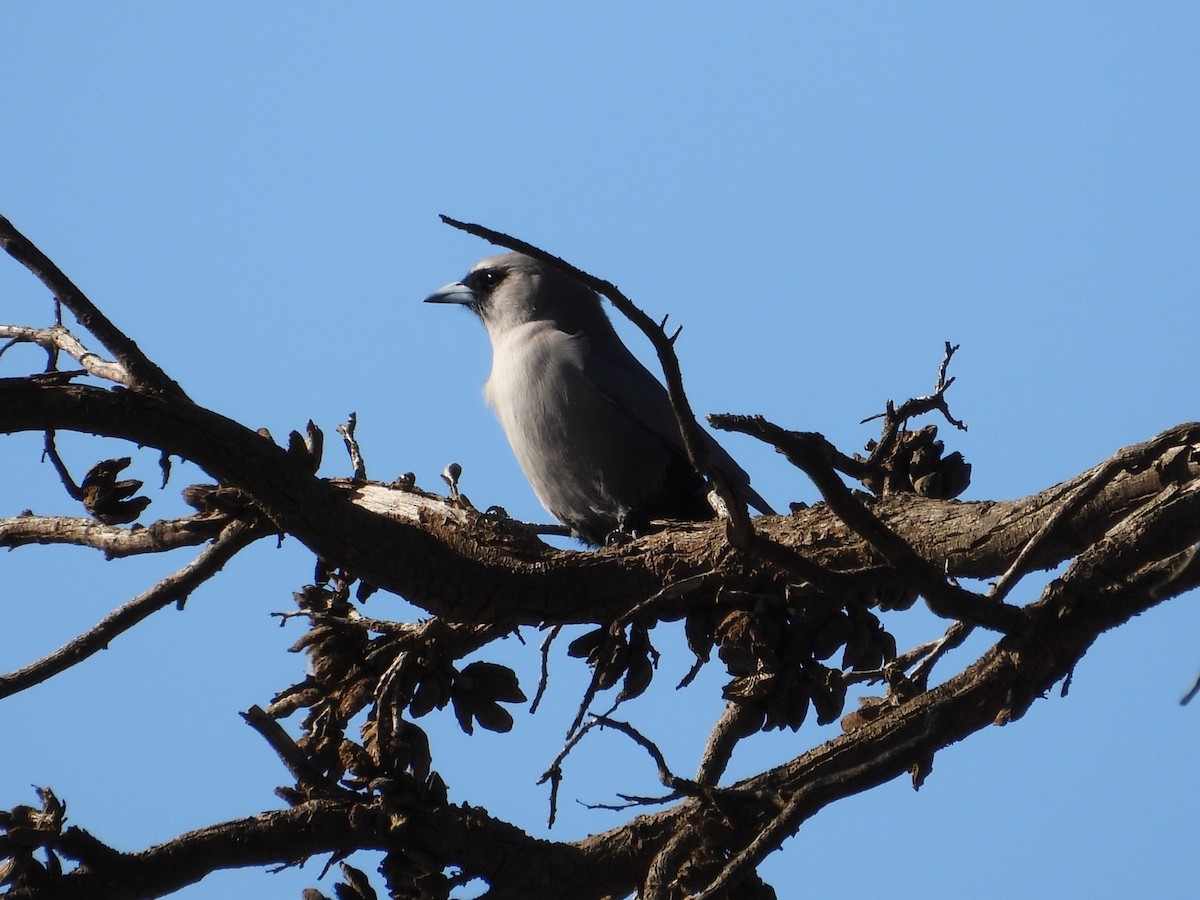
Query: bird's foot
x,y
619,537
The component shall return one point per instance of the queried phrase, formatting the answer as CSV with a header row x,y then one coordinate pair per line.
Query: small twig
x,y
346,430
909,658
544,679
953,638
589,695
668,779
174,587
738,525
628,801
919,406
758,427
1191,694
50,451
295,759
554,773
679,786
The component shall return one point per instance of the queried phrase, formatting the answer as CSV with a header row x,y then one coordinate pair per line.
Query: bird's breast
x,y
536,379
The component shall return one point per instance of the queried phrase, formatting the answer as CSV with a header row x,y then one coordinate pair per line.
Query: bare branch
x,y
172,589
544,678
292,756
669,780
50,452
919,406
113,540
58,338
1130,459
346,430
1191,693
446,559
809,452
145,374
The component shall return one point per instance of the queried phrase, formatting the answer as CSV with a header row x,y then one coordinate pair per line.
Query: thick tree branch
x,y
466,567
1072,613
468,837
806,588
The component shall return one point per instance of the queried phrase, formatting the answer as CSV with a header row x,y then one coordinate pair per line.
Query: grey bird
x,y
593,430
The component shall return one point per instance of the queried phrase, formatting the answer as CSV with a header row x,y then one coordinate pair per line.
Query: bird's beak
x,y
454,292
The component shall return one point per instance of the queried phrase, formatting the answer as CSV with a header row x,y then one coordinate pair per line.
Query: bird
x,y
593,431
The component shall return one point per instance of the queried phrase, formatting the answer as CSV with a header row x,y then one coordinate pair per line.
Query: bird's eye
x,y
491,277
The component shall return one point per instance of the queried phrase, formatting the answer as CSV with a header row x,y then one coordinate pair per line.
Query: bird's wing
x,y
619,376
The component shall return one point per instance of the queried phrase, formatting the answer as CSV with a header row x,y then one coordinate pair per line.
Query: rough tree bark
x,y
777,599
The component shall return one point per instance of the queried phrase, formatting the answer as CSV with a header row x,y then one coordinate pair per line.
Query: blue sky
x,y
821,194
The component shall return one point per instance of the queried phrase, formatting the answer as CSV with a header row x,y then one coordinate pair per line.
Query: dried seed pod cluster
x,y
775,655
917,462
109,500
616,656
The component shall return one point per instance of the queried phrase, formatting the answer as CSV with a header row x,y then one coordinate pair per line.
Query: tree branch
x,y
173,588
446,559
58,338
145,374
1131,526
1103,588
809,452
113,540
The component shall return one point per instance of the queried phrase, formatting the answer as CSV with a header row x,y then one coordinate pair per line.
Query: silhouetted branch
x,y
894,418
145,374
172,589
1157,451
774,617
809,452
292,756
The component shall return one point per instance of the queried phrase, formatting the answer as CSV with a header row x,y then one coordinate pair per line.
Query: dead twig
x,y
346,430
172,589
57,338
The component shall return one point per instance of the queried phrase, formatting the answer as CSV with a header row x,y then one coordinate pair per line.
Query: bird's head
x,y
513,289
